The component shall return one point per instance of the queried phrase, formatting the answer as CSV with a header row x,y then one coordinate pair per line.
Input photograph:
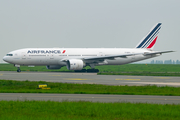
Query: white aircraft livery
x,y
77,58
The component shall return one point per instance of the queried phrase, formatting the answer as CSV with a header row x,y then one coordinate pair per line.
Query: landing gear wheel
x,y
83,70
93,70
18,70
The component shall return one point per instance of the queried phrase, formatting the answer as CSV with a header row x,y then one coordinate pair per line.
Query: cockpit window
x,y
9,55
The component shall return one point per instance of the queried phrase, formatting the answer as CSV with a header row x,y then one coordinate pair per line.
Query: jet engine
x,y
75,64
53,66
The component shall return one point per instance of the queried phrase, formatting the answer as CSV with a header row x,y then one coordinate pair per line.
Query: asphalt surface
x,y
90,78
92,98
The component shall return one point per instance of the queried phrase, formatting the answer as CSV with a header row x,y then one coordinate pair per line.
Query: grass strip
x,y
128,69
49,110
11,86
140,73
106,68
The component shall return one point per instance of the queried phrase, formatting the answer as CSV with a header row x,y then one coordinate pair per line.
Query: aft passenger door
x,y
132,57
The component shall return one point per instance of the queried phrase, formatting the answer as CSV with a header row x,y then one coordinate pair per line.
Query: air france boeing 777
x,y
77,58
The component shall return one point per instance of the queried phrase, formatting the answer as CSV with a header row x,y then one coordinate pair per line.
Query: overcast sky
x,y
88,23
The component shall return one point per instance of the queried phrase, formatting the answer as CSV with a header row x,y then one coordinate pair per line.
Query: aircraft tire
x,y
93,70
18,70
83,70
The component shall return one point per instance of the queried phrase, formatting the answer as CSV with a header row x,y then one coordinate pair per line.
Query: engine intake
x,y
75,64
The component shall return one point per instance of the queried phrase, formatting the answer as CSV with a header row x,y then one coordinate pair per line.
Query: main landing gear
x,y
88,70
92,70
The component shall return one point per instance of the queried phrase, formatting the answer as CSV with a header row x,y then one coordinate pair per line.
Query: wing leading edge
x,y
105,57
115,56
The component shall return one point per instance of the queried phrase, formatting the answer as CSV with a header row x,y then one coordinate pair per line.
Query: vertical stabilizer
x,y
150,39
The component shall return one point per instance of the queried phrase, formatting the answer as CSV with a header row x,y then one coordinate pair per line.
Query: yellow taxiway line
x,y
76,79
127,79
55,75
162,77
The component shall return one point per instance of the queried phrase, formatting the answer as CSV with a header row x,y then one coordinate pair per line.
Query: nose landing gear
x,y
18,68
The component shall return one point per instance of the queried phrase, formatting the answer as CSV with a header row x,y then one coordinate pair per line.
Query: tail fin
x,y
150,39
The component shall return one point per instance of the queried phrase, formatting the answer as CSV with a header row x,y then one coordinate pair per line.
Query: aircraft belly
x,y
118,61
35,61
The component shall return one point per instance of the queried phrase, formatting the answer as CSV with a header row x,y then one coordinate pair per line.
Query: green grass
x,y
105,68
140,68
10,86
10,67
48,110
128,69
140,73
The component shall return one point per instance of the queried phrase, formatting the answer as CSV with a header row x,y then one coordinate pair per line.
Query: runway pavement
x,y
90,78
92,98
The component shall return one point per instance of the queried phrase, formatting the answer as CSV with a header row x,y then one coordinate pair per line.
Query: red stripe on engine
x,y
153,42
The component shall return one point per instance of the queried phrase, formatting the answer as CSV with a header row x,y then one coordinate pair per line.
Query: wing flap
x,y
154,53
110,57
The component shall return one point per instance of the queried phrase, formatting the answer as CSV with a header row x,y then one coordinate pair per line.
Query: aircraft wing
x,y
105,57
110,57
154,53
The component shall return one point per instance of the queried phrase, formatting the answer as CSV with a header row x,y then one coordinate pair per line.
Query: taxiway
x,y
90,78
92,98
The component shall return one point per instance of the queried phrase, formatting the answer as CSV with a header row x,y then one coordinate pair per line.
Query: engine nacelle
x,y
53,66
75,64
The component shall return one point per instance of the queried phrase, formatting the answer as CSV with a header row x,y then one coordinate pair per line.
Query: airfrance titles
x,y
44,51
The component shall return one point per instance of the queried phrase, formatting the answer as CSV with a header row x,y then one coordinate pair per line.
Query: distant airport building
x,y
165,62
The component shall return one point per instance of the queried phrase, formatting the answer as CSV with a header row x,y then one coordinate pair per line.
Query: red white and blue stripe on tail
x,y
150,39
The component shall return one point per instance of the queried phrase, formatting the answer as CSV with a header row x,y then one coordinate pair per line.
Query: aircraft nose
x,y
5,58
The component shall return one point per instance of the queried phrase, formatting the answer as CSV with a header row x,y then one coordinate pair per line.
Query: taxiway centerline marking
x,y
76,79
162,77
127,79
55,75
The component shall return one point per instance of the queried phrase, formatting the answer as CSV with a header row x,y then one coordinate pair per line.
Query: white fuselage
x,y
78,58
55,56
